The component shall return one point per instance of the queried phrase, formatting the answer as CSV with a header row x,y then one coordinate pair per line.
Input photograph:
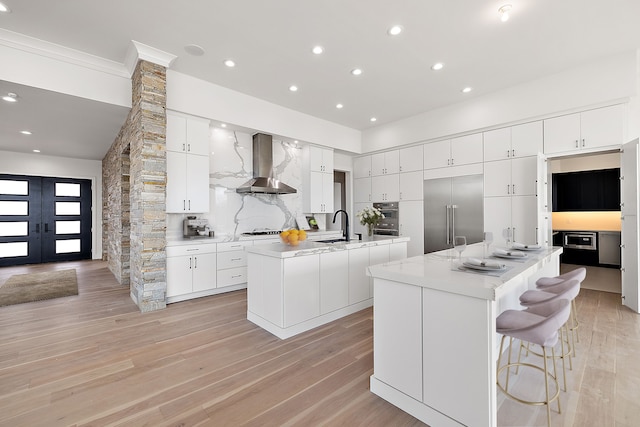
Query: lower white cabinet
x,y
412,225
190,269
232,263
517,214
301,289
334,281
359,286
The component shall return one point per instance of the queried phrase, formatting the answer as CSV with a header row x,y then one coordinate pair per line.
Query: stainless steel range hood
x,y
263,181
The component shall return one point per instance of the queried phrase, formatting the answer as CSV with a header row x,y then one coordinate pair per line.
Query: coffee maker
x,y
193,227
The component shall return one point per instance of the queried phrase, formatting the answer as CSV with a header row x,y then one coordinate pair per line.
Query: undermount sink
x,y
332,241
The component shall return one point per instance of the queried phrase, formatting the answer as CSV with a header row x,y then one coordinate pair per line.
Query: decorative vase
x,y
369,229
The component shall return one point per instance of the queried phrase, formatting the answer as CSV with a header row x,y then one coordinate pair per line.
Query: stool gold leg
x,y
546,385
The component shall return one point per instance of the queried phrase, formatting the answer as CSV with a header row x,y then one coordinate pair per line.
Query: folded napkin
x,y
510,253
523,246
483,263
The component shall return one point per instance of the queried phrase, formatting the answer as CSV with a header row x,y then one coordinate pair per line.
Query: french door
x,y
44,219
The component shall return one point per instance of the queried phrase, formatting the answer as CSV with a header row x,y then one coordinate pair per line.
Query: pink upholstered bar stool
x,y
565,290
537,325
548,284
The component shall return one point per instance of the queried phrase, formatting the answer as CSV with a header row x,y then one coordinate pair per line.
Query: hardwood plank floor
x,y
95,360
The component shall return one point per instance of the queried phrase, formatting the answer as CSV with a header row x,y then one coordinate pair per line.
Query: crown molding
x,y
138,51
61,53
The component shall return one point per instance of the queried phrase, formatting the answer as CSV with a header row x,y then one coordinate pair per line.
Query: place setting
x,y
483,265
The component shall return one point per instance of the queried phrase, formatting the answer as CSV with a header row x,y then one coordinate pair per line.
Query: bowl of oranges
x,y
293,237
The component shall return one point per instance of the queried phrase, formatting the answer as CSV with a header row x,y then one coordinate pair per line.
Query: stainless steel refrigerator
x,y
452,207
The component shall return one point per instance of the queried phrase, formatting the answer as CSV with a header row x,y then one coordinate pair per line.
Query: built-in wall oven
x,y
390,225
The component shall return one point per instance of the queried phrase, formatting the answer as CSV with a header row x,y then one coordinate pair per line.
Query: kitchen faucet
x,y
346,232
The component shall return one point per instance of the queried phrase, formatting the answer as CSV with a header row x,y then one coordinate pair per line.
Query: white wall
x,y
595,84
584,163
634,106
194,96
38,165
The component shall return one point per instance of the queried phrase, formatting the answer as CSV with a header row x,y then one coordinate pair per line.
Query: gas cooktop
x,y
261,233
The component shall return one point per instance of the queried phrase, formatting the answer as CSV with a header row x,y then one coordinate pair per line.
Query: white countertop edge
x,y
308,247
225,238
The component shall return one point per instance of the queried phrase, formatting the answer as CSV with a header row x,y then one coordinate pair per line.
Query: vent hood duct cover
x,y
262,181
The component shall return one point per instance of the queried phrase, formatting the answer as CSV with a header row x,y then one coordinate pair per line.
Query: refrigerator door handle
x,y
453,221
448,225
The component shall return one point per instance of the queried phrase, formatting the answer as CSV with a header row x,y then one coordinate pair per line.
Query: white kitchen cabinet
x,y
301,283
385,188
317,179
232,263
410,184
458,151
359,286
397,251
190,269
513,142
511,177
385,163
187,134
187,188
334,281
362,167
377,255
517,214
411,159
362,190
584,131
412,225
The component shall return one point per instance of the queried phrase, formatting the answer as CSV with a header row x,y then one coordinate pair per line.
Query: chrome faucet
x,y
346,233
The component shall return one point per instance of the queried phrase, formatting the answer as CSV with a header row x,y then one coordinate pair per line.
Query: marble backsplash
x,y
230,166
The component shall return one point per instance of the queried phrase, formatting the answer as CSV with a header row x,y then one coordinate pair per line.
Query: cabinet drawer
x,y
232,259
183,250
234,246
232,276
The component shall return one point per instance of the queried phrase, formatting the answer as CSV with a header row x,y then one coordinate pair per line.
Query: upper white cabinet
x,y
317,179
187,134
385,188
511,177
362,167
410,184
459,151
362,190
385,163
513,142
411,159
585,131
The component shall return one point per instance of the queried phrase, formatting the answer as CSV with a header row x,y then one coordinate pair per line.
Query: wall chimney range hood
x,y
263,181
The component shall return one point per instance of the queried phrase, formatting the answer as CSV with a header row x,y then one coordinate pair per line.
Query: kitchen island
x,y
292,289
435,342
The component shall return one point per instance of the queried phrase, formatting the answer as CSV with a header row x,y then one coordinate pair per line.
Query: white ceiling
x,y
271,43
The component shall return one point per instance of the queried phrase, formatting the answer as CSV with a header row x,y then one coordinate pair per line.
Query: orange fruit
x,y
302,235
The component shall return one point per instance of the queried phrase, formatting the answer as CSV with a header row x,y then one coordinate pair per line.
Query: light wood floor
x,y
93,359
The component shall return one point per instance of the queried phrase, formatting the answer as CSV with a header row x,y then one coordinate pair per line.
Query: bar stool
x,y
565,290
548,283
537,325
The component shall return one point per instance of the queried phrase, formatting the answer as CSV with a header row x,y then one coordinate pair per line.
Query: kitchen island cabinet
x,y
292,289
435,344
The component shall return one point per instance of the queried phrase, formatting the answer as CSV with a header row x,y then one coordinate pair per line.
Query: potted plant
x,y
370,216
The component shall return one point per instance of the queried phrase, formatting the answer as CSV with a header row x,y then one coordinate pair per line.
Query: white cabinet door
x,y
411,186
629,195
412,225
562,134
198,136
524,176
327,192
385,188
197,188
526,139
334,281
179,281
466,149
497,218
497,144
362,189
524,219
602,127
437,154
320,159
204,272
176,187
377,255
377,164
316,194
362,167
497,178
301,289
397,251
358,279
176,136
411,159
392,161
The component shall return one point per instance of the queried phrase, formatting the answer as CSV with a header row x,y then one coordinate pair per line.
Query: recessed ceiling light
x,y
504,12
395,30
437,66
194,49
317,50
467,89
356,71
4,8
36,151
229,63
25,132
224,125
339,106
293,88
373,119
10,97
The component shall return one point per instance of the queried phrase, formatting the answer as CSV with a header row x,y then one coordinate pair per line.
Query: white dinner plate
x,y
483,268
509,256
513,248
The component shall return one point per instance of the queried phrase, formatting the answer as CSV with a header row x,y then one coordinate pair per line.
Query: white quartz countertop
x,y
308,247
439,271
180,241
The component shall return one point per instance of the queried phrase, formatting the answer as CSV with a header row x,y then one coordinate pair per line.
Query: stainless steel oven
x,y
390,225
580,240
